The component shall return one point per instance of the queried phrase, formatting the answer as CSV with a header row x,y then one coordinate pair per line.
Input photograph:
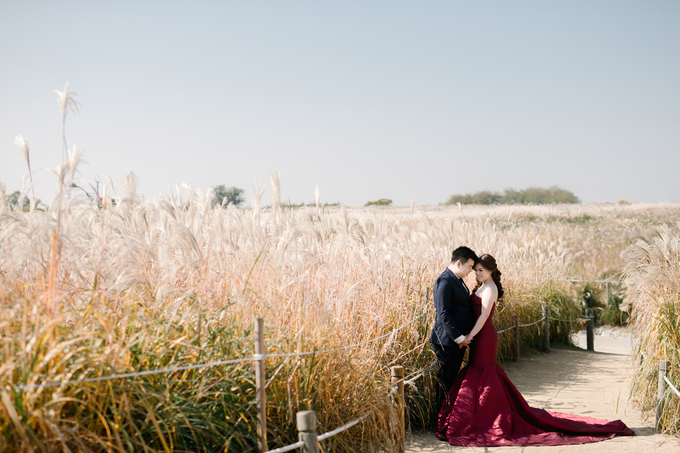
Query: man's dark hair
x,y
464,254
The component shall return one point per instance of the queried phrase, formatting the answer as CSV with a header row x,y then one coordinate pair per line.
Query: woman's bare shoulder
x,y
489,290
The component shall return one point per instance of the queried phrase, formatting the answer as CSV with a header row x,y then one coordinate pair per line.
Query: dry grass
x,y
141,285
653,286
124,285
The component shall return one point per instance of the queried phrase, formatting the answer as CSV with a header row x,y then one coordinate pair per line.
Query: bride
x,y
484,408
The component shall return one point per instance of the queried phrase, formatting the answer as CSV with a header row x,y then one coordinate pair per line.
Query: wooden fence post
x,y
517,337
661,394
398,380
641,356
306,425
589,330
546,327
606,285
427,295
260,383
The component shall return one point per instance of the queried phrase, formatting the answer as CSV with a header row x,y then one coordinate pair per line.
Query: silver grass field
x,y
139,285
118,284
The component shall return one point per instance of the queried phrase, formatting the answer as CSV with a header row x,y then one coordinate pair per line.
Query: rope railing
x,y
305,425
258,359
412,380
399,388
532,323
255,357
545,320
311,439
664,365
581,319
307,419
670,384
522,325
606,280
408,382
290,447
344,427
135,374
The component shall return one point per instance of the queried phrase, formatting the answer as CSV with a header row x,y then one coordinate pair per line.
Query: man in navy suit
x,y
454,318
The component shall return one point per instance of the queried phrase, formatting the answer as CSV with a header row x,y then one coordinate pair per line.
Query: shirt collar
x,y
453,273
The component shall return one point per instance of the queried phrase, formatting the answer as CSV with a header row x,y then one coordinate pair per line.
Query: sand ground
x,y
575,381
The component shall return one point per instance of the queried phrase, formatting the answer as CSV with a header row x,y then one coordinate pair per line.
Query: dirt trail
x,y
579,382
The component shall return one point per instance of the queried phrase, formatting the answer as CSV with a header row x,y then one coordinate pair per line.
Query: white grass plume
x,y
276,192
67,103
22,143
75,158
258,188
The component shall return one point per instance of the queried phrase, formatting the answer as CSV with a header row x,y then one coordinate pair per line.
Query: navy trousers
x,y
450,359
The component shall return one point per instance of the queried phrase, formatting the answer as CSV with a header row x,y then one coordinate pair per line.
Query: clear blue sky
x,y
404,100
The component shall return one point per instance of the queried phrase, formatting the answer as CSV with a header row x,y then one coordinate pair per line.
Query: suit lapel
x,y
460,282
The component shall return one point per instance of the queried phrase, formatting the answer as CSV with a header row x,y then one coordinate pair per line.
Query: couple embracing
x,y
478,405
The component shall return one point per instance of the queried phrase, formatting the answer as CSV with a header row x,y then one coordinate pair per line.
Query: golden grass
x,y
143,285
653,287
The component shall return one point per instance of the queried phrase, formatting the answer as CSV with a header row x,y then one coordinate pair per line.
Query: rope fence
x,y
670,384
306,420
255,357
545,320
582,319
290,447
258,359
664,365
135,374
522,325
343,427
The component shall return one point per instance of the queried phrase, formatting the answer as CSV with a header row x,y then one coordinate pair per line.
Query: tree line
x,y
224,196
532,195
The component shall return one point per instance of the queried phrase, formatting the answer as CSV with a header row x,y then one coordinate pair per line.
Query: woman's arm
x,y
489,296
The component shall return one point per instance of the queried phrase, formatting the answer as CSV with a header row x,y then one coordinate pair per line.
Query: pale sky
x,y
412,100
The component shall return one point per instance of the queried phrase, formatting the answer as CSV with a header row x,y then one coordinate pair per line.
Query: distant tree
x,y
532,195
537,195
381,202
13,202
483,197
232,195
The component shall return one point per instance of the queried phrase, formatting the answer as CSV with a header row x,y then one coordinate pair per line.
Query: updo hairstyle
x,y
488,262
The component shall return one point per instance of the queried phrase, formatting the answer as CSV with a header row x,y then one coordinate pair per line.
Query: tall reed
x,y
145,285
124,285
653,288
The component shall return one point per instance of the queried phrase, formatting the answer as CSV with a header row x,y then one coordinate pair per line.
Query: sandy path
x,y
578,382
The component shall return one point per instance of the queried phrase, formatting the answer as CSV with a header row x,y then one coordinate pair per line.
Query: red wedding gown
x,y
485,409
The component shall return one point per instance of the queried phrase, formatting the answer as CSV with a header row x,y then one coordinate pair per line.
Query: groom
x,y
453,320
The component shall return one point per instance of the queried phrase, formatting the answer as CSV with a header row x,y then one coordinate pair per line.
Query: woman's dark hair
x,y
488,262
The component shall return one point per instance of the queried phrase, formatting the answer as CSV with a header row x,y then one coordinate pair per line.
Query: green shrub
x,y
612,314
225,196
381,202
531,195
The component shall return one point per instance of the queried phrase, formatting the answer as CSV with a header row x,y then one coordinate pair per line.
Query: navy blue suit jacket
x,y
455,316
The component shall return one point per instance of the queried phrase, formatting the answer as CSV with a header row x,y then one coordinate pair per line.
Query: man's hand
x,y
465,342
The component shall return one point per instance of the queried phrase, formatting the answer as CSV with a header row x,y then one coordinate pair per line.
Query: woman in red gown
x,y
485,409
